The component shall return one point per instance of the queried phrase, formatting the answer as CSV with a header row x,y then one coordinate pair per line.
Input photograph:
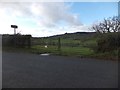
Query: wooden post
x,y
59,45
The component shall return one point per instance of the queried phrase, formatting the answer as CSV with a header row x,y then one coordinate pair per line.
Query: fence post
x,y
59,45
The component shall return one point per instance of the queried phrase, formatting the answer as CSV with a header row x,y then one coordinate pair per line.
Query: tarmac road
x,y
20,70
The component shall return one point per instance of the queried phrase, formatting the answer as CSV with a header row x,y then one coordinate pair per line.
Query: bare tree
x,y
102,27
116,24
108,25
96,28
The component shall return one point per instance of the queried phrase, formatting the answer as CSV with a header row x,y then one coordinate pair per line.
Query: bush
x,y
108,42
16,40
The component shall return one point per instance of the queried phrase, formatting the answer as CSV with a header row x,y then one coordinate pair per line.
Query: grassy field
x,y
76,51
66,51
82,46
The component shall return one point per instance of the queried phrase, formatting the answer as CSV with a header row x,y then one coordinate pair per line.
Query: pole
x,y
14,31
59,45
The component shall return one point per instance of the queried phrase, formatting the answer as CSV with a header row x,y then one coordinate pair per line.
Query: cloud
x,y
5,22
47,14
17,7
51,18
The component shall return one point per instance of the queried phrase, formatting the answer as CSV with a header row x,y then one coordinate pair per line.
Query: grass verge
x,y
66,51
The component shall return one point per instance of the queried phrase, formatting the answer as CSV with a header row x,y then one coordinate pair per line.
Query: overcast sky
x,y
50,18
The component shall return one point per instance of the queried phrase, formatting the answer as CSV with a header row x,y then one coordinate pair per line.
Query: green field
x,y
71,45
74,51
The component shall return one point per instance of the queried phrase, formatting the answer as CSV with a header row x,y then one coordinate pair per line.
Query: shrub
x,y
108,42
16,40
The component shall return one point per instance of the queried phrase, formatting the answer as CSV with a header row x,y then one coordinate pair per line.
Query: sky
x,y
41,19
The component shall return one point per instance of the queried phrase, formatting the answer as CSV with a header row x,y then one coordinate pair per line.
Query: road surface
x,y
22,70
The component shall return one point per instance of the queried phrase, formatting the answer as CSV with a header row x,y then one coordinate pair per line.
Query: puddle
x,y
45,54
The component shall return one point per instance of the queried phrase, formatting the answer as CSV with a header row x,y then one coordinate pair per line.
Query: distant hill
x,y
76,35
67,38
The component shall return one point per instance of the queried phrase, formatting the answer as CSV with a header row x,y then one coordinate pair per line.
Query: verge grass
x,y
65,51
74,51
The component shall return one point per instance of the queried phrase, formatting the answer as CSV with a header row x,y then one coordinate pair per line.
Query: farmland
x,y
81,44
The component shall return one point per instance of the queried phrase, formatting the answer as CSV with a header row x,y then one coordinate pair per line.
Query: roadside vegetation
x,y
104,43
